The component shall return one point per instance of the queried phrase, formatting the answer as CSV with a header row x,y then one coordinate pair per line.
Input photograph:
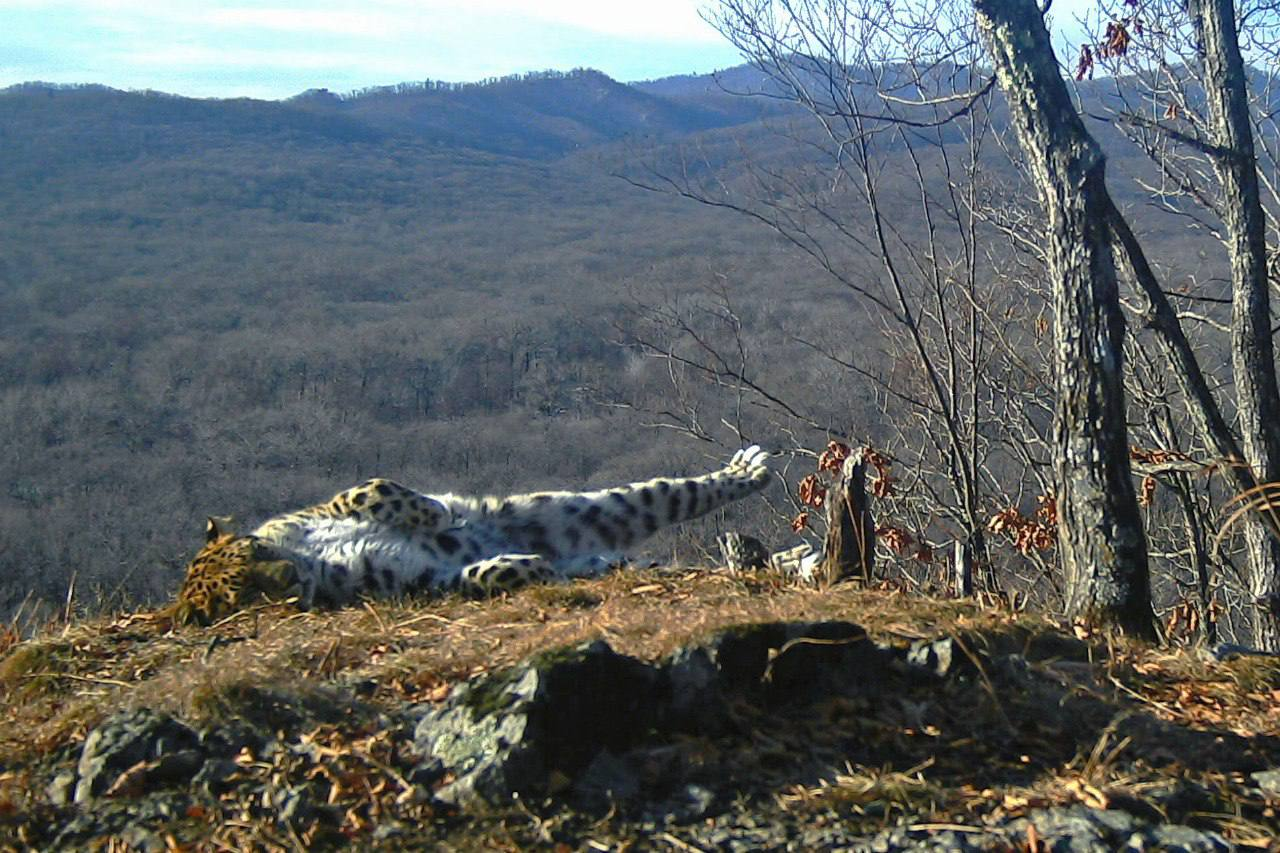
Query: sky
x,y
278,48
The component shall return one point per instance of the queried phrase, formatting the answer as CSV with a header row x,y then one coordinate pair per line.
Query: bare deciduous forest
x,y
240,307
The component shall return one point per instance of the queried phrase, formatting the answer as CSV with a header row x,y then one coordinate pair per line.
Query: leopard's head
x,y
230,573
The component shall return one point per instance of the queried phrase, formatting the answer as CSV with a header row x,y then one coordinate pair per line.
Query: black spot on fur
x,y
359,498
397,505
694,505
572,509
384,489
524,561
377,507
449,544
507,575
646,497
624,503
605,531
673,506
650,522
389,579
591,514
339,569
574,535
370,581
541,499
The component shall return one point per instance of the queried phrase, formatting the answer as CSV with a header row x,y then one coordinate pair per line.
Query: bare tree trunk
x,y
962,569
1102,543
1252,354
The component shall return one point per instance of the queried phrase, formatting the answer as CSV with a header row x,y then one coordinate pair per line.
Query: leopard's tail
x,y
567,524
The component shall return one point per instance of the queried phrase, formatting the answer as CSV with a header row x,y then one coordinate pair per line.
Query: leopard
x,y
382,540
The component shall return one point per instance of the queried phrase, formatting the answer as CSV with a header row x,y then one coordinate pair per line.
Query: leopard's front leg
x,y
504,573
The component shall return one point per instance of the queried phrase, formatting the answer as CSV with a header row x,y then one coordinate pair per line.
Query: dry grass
x,y
1105,726
59,684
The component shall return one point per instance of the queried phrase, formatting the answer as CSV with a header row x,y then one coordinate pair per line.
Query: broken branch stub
x,y
849,549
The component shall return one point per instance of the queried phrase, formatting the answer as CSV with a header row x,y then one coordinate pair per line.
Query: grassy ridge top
x,y
1044,718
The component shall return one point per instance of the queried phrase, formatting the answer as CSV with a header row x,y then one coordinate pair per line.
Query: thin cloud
x,y
652,19
277,48
302,21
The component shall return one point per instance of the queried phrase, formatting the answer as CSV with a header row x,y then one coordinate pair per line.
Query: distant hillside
x,y
538,115
724,87
534,115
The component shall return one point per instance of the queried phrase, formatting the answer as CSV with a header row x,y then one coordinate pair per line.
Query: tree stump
x,y
849,549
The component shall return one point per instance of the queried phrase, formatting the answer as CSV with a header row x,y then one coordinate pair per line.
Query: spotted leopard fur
x,y
383,539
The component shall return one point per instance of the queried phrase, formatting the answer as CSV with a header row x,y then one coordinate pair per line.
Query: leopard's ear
x,y
217,525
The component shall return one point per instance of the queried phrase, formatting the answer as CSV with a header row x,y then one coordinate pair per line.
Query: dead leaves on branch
x,y
833,458
1029,534
904,544
811,492
1186,620
1147,490
1115,44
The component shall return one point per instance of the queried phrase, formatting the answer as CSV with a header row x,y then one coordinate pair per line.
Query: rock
x,y
1182,839
1268,782
903,839
789,662
124,741
933,656
426,773
607,782
388,831
696,700
688,803
292,805
139,779
509,732
141,819
212,779
1227,651
533,729
741,552
62,789
741,653
1077,829
143,839
822,659
1082,829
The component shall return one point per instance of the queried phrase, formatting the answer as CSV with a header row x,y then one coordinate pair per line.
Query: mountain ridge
x,y
542,115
